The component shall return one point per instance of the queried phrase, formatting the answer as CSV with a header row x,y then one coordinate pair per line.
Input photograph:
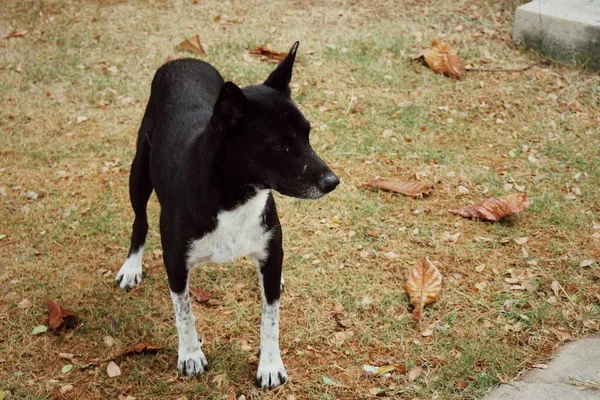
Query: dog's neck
x,y
215,180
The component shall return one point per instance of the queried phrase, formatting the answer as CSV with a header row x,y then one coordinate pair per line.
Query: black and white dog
x,y
213,152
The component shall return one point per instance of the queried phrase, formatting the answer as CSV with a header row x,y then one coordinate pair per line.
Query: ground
x,y
374,114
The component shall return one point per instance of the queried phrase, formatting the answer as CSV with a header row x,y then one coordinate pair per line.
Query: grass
x,y
479,133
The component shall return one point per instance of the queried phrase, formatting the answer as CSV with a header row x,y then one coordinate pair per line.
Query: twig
x,y
500,69
583,384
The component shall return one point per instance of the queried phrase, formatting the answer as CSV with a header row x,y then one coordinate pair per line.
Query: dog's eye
x,y
278,146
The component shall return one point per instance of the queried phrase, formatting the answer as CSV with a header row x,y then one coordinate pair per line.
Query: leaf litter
x,y
408,188
442,58
193,45
58,316
200,295
423,285
495,208
268,54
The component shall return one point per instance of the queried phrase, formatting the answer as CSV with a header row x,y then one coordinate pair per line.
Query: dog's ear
x,y
229,107
282,75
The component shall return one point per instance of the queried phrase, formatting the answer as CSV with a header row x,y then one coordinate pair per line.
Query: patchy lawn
x,y
375,114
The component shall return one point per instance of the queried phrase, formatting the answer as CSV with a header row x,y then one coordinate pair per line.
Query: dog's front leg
x,y
191,359
271,372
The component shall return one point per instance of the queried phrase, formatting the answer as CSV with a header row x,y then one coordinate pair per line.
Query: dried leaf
x,y
415,373
376,391
193,45
112,369
427,332
108,341
407,188
555,286
15,34
67,368
563,336
65,388
424,285
442,58
384,369
370,369
143,347
494,209
328,381
12,296
25,303
462,385
218,379
58,316
522,240
591,324
39,329
200,295
268,53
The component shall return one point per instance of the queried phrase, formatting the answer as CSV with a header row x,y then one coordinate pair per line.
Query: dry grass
x,y
357,84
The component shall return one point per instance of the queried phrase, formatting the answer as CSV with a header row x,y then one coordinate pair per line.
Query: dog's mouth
x,y
307,192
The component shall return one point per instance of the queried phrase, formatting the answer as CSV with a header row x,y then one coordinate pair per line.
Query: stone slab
x,y
578,360
566,30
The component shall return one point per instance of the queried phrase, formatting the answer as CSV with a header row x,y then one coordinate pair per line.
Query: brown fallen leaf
x,y
415,373
58,316
112,369
591,324
424,285
142,347
462,385
15,34
269,54
200,295
407,188
442,58
494,209
192,44
563,336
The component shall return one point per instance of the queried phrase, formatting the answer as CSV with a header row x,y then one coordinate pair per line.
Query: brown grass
x,y
97,58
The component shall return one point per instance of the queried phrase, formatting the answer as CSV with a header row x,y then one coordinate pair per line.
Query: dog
x,y
212,152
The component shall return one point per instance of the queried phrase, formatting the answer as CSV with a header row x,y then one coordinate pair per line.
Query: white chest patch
x,y
239,232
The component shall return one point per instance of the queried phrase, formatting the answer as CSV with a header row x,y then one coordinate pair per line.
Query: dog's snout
x,y
328,182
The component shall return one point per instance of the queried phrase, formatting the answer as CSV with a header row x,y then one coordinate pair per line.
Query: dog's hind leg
x,y
140,188
271,372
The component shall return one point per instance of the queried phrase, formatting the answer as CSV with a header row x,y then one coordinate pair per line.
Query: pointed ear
x,y
229,107
282,75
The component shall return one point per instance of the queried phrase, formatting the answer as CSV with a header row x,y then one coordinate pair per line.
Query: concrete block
x,y
565,30
579,360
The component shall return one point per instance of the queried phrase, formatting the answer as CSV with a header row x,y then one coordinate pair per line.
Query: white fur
x,y
271,371
191,358
239,232
130,274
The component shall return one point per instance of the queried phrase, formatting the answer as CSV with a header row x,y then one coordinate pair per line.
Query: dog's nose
x,y
328,182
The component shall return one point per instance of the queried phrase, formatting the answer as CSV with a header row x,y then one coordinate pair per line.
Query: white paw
x,y
130,274
192,363
271,372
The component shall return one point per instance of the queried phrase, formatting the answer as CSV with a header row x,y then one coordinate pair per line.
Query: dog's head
x,y
268,137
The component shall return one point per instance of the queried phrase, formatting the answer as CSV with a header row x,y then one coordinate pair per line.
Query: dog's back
x,y
183,95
